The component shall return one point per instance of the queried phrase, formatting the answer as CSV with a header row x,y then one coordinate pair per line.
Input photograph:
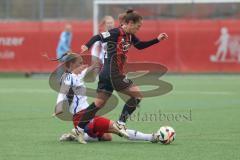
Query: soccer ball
x,y
166,134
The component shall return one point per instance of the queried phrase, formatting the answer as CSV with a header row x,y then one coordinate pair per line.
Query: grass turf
x,y
211,131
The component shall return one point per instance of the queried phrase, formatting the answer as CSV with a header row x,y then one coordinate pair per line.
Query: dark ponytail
x,y
130,15
129,11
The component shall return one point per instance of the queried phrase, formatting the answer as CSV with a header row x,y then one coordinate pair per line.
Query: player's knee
x,y
106,137
109,137
135,92
101,99
99,103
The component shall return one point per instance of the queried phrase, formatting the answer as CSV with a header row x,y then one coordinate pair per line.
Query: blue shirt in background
x,y
64,44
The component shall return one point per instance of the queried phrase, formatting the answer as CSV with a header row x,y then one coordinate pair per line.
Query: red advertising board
x,y
193,45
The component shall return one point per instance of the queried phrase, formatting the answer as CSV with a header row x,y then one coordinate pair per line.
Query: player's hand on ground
x,y
84,48
162,36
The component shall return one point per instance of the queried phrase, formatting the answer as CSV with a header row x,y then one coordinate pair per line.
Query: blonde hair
x,y
103,21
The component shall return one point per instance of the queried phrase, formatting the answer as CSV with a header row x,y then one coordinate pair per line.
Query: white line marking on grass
x,y
44,91
205,92
24,90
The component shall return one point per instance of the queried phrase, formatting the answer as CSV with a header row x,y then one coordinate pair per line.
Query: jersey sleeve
x,y
103,37
94,39
143,44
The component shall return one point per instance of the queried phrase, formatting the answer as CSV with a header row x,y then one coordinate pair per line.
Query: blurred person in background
x,y
99,49
64,44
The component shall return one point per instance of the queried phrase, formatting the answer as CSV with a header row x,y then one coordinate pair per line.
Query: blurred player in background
x,y
99,49
64,44
112,76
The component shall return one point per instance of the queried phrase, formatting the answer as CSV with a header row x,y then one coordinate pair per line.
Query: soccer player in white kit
x,y
73,96
73,93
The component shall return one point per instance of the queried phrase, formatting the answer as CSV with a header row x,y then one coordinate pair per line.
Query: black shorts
x,y
118,83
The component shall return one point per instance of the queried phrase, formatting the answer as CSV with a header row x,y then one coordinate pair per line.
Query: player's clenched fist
x,y
84,48
162,36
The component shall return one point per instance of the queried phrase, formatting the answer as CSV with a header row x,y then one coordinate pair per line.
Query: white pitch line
x,y
25,90
205,92
28,90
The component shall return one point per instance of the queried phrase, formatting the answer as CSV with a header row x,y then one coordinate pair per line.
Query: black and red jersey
x,y
118,43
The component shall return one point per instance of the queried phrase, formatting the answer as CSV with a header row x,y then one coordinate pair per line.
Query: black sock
x,y
129,108
89,113
126,112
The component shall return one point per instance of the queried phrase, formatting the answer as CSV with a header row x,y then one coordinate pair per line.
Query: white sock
x,y
136,135
88,138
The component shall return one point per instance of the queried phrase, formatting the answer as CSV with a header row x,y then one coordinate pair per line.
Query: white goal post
x,y
97,3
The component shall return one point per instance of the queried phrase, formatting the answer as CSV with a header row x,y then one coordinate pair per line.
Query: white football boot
x,y
121,128
67,137
80,135
155,138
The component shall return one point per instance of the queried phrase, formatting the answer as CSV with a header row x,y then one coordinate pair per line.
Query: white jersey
x,y
98,50
71,81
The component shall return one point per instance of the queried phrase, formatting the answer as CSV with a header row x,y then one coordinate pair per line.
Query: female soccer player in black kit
x,y
112,77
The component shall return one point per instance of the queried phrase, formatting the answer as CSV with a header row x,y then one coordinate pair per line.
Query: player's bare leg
x,y
106,137
101,99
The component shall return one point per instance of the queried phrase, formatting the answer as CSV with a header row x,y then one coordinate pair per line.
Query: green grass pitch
x,y
212,131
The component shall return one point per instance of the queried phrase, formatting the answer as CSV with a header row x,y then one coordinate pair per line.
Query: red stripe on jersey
x,y
121,51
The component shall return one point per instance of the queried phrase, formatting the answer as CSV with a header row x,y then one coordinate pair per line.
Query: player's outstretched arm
x,y
62,96
103,37
162,36
145,44
89,44
90,75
